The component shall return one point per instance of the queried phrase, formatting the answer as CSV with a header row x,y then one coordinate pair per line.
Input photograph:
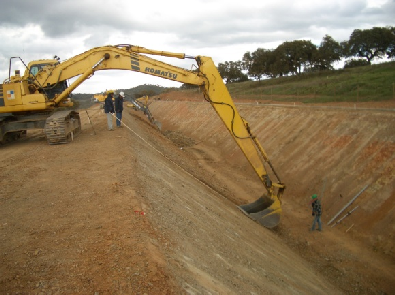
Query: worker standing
x,y
119,108
109,109
316,212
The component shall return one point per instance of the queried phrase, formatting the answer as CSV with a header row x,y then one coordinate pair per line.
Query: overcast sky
x,y
221,29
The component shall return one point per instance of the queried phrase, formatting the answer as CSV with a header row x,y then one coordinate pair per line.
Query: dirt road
x,y
135,212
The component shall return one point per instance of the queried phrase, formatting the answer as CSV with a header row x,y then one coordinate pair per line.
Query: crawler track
x,y
61,127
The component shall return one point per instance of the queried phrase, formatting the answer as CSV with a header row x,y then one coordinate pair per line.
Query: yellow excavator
x,y
140,102
41,99
101,97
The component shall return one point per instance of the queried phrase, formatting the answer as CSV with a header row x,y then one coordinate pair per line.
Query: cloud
x,y
223,30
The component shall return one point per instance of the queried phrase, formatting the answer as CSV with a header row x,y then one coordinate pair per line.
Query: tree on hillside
x,y
345,50
231,71
372,43
247,61
281,64
295,56
328,52
258,63
391,47
302,55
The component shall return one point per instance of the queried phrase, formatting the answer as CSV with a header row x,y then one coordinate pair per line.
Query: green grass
x,y
368,83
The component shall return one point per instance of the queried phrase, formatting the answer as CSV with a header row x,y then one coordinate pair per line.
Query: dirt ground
x,y
143,211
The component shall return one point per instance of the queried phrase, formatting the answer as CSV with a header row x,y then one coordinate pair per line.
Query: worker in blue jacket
x,y
119,108
109,109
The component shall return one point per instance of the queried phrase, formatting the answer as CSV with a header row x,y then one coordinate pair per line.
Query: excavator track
x,y
62,126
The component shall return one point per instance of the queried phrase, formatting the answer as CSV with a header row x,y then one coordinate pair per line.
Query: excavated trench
x,y
69,221
346,148
338,152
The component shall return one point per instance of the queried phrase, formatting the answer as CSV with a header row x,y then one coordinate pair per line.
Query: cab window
x,y
34,70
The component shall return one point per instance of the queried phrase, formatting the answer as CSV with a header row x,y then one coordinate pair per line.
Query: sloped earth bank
x,y
336,150
116,212
134,212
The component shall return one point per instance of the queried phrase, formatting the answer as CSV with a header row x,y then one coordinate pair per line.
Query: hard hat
x,y
110,91
121,93
314,196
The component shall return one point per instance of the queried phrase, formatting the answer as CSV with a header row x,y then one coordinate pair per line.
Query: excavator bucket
x,y
158,124
264,210
152,119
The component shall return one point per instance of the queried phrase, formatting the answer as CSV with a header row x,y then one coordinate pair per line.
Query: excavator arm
x,y
267,209
119,57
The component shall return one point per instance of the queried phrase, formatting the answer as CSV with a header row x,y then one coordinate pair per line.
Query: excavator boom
x,y
31,94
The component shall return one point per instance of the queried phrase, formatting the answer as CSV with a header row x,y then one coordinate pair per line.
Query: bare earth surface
x,y
143,211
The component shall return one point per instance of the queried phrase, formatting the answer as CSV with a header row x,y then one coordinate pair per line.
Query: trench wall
x,y
338,150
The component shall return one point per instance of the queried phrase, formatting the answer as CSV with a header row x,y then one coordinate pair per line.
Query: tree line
x,y
296,57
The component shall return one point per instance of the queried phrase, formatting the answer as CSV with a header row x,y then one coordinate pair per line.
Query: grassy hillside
x,y
369,83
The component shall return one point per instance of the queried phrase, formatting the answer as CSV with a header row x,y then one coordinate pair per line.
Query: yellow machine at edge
x,y
33,101
101,97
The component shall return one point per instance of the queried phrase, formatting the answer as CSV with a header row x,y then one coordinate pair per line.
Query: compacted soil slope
x,y
340,151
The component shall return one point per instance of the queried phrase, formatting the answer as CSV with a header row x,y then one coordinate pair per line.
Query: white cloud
x,y
375,3
221,29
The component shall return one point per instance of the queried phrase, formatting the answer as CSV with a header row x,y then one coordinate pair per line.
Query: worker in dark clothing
x,y
316,212
109,109
119,108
